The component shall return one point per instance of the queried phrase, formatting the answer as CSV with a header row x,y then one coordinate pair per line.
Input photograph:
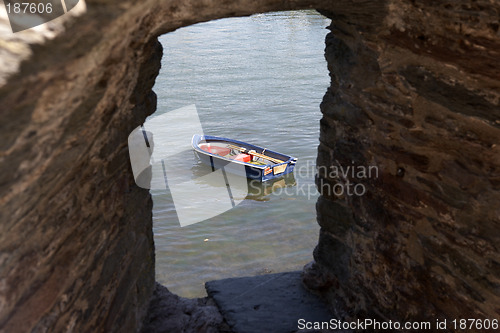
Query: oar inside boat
x,y
254,153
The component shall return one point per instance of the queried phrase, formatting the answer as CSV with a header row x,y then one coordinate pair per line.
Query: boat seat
x,y
242,157
221,151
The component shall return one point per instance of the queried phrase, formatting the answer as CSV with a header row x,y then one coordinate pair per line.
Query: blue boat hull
x,y
258,172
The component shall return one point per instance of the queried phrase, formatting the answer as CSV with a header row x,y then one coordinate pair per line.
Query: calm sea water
x,y
258,79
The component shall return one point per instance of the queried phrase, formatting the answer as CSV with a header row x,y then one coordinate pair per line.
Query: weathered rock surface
x,y
418,97
76,243
415,91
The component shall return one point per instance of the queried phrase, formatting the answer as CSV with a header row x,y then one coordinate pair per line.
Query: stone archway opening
x,y
259,79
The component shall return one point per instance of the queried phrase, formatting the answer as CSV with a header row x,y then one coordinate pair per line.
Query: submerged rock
x,y
170,313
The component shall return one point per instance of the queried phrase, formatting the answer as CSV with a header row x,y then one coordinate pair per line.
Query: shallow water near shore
x,y
258,79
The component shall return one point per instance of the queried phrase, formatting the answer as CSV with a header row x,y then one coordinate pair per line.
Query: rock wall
x,y
414,92
76,239
76,245
416,95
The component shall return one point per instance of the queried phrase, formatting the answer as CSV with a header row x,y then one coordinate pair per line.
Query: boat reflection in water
x,y
260,191
256,190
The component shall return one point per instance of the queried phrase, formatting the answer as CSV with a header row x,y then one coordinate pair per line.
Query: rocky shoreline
x,y
277,302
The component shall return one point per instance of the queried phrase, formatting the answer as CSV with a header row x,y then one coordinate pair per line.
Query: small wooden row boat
x,y
242,158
